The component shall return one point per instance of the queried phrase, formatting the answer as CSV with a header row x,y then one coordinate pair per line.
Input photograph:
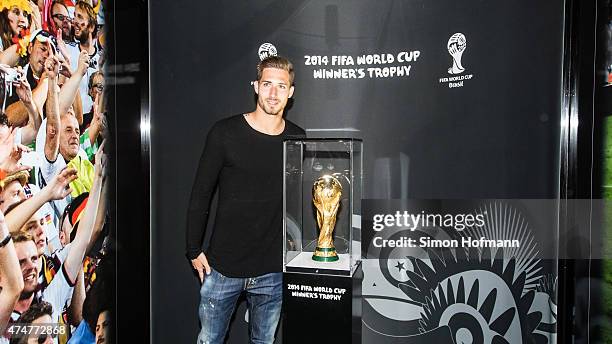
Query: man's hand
x,y
64,68
10,154
200,264
51,63
99,118
83,62
24,91
11,164
61,46
58,187
101,161
36,17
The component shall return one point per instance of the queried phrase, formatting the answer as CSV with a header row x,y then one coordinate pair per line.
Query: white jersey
x,y
46,172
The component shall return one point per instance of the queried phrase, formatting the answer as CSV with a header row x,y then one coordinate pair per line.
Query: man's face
x,y
17,20
35,227
28,261
64,233
39,52
102,328
97,86
82,29
62,20
273,91
11,194
69,137
41,338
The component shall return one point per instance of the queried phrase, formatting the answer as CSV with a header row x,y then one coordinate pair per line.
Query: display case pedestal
x,y
320,308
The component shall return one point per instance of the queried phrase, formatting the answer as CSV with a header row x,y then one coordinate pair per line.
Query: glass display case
x,y
322,181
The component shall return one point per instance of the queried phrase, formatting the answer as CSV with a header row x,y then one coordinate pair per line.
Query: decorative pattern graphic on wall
x,y
465,294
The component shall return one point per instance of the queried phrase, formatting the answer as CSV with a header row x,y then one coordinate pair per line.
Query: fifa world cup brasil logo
x,y
326,194
456,46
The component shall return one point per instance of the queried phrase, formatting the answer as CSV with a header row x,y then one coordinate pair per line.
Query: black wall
x,y
495,137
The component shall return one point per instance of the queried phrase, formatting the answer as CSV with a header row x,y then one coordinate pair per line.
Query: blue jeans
x,y
218,297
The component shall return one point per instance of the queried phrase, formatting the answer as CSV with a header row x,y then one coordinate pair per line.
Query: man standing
x,y
243,157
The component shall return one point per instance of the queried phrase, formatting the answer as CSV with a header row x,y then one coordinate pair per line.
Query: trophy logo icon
x,y
456,46
326,195
266,50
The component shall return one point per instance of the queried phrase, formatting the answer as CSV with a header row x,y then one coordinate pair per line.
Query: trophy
x,y
326,193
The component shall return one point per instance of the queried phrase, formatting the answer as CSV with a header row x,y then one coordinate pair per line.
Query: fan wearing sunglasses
x,y
62,20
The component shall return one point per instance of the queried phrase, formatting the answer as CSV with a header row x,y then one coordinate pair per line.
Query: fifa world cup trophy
x,y
326,195
456,46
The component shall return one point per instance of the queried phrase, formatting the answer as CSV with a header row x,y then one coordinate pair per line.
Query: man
x,y
60,144
243,156
38,314
56,293
103,328
95,92
38,51
11,189
62,20
85,30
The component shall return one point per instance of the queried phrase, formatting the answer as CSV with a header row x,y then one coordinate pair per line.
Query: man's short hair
x,y
21,236
57,2
277,62
91,14
92,77
35,311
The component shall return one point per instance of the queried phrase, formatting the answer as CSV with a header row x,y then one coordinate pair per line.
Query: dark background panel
x,y
127,91
496,137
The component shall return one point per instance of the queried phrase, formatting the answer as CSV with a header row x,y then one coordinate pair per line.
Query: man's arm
x,y
100,216
56,189
98,122
74,260
40,92
12,280
9,56
71,86
75,310
210,165
52,106
77,106
24,92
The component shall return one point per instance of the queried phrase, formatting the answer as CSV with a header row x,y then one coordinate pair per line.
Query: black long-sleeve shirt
x,y
247,165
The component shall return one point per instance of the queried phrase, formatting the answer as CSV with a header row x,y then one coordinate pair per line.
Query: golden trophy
x,y
326,193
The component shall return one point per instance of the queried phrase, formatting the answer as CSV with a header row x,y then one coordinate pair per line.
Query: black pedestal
x,y
322,308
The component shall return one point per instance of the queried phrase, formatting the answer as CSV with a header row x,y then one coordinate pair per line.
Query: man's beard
x,y
269,109
26,294
84,36
67,35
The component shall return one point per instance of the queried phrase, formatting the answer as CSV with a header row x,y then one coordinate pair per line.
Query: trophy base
x,y
325,254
